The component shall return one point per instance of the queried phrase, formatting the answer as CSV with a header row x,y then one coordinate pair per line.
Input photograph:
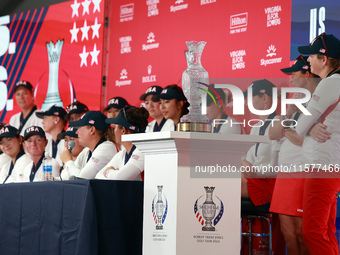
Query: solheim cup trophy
x,y
52,96
191,79
159,208
208,209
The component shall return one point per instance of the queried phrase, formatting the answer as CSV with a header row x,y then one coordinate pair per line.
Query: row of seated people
x,y
87,156
114,159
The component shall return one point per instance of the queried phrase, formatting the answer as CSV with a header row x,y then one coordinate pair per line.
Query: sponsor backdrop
x,y
24,55
148,40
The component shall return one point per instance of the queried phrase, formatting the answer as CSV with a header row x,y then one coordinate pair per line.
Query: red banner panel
x,y
58,49
147,41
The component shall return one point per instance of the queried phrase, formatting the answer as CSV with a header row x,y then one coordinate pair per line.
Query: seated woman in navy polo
x,y
128,164
34,143
11,145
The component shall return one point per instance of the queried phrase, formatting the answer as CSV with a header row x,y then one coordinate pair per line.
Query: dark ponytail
x,y
138,117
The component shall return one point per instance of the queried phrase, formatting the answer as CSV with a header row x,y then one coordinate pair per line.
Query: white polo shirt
x,y
60,148
263,154
3,160
18,170
325,102
130,171
39,175
82,168
33,120
168,125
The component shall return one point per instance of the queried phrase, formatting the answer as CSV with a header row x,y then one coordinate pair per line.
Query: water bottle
x,y
47,168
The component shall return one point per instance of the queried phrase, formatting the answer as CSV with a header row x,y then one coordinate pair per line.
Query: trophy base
x,y
159,227
208,229
194,127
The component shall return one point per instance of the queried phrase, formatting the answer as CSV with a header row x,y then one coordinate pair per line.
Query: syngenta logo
x,y
239,105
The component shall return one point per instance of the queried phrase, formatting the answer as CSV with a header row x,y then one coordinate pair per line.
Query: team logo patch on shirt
x,y
95,160
316,98
135,157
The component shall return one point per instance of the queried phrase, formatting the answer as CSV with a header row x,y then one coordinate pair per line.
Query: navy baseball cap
x,y
116,102
300,64
153,90
261,87
70,131
34,130
91,118
75,107
52,111
169,93
323,44
122,120
25,84
8,131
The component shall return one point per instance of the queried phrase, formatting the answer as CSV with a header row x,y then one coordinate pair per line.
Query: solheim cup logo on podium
x,y
159,209
52,96
205,212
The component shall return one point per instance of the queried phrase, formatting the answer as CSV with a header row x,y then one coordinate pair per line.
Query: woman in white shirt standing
x,y
287,198
11,145
321,147
128,164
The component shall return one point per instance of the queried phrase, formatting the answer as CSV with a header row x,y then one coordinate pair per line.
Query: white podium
x,y
192,191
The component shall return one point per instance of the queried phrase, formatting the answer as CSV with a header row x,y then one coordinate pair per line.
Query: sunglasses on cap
x,y
323,42
303,59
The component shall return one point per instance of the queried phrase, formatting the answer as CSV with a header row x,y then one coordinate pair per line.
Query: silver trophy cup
x,y
52,96
159,208
209,209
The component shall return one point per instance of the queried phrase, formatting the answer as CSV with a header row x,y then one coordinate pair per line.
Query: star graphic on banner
x,y
96,5
75,7
94,55
83,57
85,29
86,5
95,28
74,32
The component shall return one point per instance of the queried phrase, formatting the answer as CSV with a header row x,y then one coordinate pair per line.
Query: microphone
x,y
71,145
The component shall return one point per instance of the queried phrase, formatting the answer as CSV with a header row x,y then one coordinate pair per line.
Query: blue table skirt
x,y
71,217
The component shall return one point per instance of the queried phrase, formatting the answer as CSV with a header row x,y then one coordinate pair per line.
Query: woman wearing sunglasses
x,y
288,190
128,164
11,145
321,147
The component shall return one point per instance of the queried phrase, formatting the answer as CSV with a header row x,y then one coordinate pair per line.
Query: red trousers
x,y
319,214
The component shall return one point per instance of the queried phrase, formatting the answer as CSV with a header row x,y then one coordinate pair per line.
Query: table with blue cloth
x,y
71,217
